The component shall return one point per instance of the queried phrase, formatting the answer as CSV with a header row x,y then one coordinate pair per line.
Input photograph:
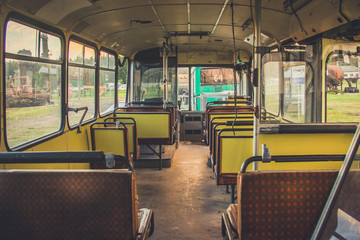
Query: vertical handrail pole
x,y
257,70
165,72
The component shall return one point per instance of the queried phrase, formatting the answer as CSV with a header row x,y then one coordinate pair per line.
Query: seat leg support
x,y
159,154
233,193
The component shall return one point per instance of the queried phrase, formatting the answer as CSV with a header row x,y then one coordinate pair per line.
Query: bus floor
x,y
185,200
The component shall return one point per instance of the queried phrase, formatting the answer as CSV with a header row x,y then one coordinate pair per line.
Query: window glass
x,y
287,87
50,47
81,92
107,91
21,39
112,61
183,87
104,59
122,81
295,76
33,106
342,83
148,82
89,56
76,52
107,83
33,88
148,77
211,84
271,87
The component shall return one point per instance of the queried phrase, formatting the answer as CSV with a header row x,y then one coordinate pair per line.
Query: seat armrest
x,y
146,223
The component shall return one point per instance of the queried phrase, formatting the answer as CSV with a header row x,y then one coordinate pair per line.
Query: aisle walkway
x,y
186,202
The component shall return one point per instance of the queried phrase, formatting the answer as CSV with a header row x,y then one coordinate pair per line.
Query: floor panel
x,y
186,202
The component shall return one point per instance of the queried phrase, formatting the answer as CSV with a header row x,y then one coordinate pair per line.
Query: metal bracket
x,y
266,156
262,50
110,160
85,109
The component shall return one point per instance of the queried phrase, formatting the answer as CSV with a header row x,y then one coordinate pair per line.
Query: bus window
x,y
33,88
183,87
81,77
122,80
107,82
342,75
211,84
287,87
148,77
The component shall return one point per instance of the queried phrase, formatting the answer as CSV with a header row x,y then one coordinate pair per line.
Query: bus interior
x,y
183,119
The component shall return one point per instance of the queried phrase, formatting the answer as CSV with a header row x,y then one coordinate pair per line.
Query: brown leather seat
x,y
72,205
281,205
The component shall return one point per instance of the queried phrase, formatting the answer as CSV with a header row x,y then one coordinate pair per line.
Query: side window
x,y
81,81
122,81
342,90
33,61
107,82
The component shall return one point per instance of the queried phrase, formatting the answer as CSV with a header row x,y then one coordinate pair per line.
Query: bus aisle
x,y
185,200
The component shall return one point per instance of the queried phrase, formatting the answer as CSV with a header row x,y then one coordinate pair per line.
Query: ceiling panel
x,y
201,16
172,14
113,21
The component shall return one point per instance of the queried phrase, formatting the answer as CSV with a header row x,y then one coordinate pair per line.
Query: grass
x,y
343,107
28,123
13,114
25,124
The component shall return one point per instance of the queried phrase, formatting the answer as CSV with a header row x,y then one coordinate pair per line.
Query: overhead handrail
x,y
85,109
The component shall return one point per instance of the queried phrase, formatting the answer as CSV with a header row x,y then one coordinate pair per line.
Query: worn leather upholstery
x,y
281,205
73,205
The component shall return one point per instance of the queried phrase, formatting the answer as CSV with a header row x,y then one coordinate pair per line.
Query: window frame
x,y
281,57
88,44
44,28
121,64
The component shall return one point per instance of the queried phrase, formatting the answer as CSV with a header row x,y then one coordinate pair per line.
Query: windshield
x,y
212,84
148,78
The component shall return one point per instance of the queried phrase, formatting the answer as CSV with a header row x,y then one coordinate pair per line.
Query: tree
x,y
123,73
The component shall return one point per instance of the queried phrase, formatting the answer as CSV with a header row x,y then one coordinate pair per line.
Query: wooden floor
x,y
186,202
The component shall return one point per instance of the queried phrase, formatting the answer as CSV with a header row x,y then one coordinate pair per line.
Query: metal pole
x,y
160,156
256,76
165,73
